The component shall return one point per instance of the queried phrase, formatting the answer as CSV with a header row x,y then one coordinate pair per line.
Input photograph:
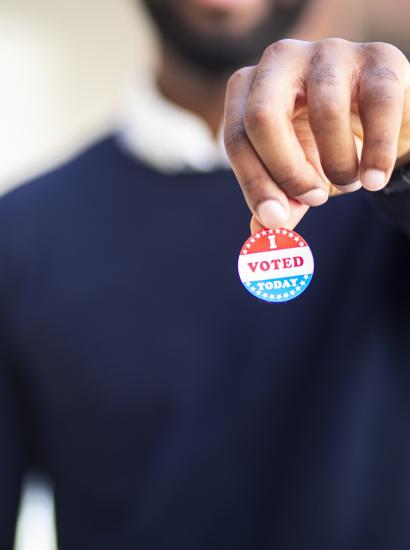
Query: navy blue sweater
x,y
171,409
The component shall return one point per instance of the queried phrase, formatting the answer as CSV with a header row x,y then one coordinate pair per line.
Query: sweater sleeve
x,y
394,200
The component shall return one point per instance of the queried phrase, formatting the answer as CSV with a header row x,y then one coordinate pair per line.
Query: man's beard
x,y
219,55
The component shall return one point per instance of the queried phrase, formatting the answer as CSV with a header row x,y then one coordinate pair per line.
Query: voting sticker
x,y
275,265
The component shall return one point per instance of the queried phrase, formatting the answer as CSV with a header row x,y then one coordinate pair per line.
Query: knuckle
x,y
383,144
374,49
259,115
341,175
233,79
384,73
235,139
260,78
324,65
278,47
394,53
238,76
382,48
291,179
254,186
331,110
323,75
383,60
382,99
326,49
327,111
332,43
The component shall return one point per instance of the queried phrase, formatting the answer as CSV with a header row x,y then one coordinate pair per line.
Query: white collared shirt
x,y
168,137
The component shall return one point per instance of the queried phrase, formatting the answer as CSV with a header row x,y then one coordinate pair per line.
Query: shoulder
x,y
34,212
65,179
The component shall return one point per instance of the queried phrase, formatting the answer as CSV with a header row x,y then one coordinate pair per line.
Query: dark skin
x,y
296,123
186,84
313,114
191,89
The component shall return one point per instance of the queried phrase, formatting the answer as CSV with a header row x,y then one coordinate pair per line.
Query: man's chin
x,y
217,52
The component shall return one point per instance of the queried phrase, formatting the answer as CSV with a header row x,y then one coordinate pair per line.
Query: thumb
x,y
296,213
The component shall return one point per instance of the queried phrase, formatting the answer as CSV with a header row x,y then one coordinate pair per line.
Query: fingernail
x,y
374,180
272,214
315,197
351,187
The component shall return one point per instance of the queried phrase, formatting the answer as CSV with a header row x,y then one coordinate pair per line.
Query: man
x,y
170,408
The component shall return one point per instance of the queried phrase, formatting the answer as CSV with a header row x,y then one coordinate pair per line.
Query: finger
x,y
381,101
264,198
255,225
307,141
329,90
268,122
297,211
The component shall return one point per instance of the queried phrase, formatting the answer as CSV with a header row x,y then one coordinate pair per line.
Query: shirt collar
x,y
166,136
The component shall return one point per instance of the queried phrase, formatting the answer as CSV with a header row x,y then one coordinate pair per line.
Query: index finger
x,y
266,200
269,121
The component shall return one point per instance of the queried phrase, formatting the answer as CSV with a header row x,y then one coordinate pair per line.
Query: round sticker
x,y
275,265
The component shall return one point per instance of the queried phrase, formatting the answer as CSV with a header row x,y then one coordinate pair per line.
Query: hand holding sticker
x,y
275,265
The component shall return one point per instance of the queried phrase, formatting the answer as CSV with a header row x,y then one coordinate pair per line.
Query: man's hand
x,y
313,119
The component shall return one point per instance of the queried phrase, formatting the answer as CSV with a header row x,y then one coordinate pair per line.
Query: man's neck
x,y
192,90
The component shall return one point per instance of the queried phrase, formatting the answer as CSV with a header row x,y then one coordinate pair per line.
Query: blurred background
x,y
66,69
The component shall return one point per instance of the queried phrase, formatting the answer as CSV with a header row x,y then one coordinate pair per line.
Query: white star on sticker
x,y
253,288
301,244
306,276
298,288
270,231
272,296
259,293
248,245
252,240
279,296
257,236
265,295
286,295
292,292
291,235
303,283
248,283
263,233
245,252
284,232
277,231
297,239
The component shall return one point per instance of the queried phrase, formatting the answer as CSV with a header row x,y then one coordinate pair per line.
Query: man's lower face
x,y
232,17
219,36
